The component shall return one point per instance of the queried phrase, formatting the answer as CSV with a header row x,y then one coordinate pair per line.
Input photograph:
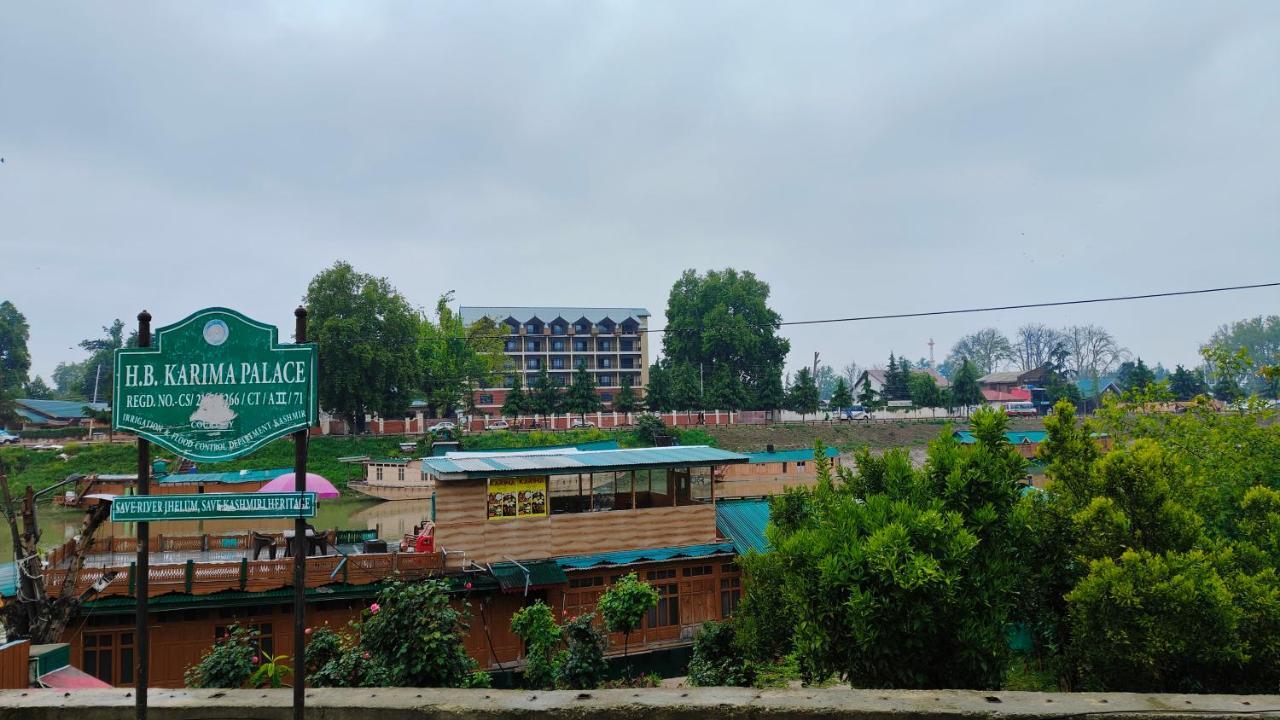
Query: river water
x,y
392,518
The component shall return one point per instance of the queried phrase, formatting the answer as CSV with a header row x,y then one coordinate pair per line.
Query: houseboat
x,y
508,529
771,472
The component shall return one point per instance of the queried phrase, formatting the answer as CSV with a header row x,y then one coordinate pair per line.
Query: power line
x,y
936,313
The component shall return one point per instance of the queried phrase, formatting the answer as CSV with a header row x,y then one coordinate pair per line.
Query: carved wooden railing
x,y
204,578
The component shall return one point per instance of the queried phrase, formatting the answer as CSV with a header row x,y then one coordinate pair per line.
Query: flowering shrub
x,y
229,663
581,666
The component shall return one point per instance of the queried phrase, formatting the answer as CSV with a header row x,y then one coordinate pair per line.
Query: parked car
x,y
47,446
580,424
498,425
8,438
854,412
1020,409
445,426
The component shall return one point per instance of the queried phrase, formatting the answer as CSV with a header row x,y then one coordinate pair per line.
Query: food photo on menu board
x,y
517,497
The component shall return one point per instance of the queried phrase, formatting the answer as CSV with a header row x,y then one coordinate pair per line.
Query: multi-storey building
x,y
611,343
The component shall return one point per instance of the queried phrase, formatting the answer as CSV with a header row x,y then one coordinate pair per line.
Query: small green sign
x,y
215,386
212,506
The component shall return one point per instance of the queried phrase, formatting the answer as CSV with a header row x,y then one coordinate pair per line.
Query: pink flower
x,y
255,659
307,631
366,656
467,585
374,608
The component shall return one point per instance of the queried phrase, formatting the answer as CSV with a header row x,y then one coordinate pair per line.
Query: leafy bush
x,y
228,664
765,621
582,665
624,605
71,431
536,626
323,646
717,659
353,667
649,428
416,635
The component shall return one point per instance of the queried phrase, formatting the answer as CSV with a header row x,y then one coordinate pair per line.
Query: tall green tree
x,y
38,390
987,349
657,395
367,335
725,391
516,403
964,387
624,604
455,358
1134,375
867,396
1260,336
1185,384
924,390
98,370
721,322
826,381
582,397
841,398
15,359
803,394
626,401
545,396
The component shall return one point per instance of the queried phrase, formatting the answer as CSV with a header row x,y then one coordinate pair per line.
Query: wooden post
x,y
300,549
141,658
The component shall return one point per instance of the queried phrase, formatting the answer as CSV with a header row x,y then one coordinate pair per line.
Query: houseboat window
x,y
377,472
401,471
567,494
653,488
730,595
99,655
667,611
585,582
800,464
696,571
660,574
700,484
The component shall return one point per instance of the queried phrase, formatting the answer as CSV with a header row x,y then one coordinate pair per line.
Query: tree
x,y
964,387
657,396
1186,384
1091,353
582,397
367,335
536,627
717,658
38,390
417,634
841,398
68,379
721,321
1134,375
516,403
803,394
455,358
624,605
987,349
1260,336
924,391
626,401
582,665
15,359
96,380
850,374
1034,345
897,576
895,381
545,398
867,396
826,381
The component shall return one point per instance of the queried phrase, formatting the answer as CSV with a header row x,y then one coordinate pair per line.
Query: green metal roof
x,y
630,557
575,462
239,476
1031,437
580,447
59,409
756,458
743,522
518,577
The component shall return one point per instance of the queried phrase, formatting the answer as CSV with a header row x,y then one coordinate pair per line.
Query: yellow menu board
x,y
511,498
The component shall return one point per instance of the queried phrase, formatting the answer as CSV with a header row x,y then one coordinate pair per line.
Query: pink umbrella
x,y
314,483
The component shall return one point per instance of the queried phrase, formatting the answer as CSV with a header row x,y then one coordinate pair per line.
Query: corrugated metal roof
x,y
60,409
241,476
743,522
756,458
1017,438
631,557
569,462
512,577
471,314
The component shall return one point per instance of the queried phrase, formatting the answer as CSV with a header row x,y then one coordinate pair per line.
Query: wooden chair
x,y
259,542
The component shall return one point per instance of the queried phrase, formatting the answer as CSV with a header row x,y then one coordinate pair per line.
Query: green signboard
x,y
212,506
214,386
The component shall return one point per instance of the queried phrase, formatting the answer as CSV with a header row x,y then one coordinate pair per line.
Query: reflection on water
x,y
391,518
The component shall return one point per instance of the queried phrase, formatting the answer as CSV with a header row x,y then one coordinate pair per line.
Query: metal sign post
x,y
215,386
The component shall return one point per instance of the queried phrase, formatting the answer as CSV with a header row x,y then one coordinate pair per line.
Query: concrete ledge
x,y
649,704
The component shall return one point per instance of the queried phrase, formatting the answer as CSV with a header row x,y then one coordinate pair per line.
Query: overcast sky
x,y
861,158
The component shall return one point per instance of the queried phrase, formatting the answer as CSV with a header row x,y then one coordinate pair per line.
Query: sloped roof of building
x,y
570,461
57,409
743,522
631,557
1004,376
877,375
1106,383
765,456
1031,437
471,314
